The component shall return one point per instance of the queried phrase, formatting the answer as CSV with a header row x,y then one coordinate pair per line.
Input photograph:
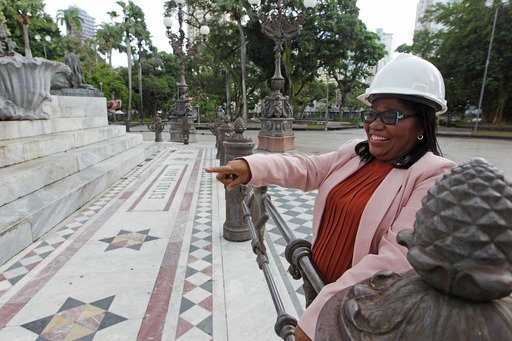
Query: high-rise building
x,y
422,7
88,29
387,40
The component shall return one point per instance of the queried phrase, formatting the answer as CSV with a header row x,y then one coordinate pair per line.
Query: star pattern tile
x,y
75,320
128,239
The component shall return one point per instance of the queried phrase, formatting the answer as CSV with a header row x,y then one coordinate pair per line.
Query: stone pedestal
x,y
276,135
175,129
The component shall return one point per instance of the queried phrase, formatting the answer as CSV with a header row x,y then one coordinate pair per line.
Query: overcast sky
x,y
393,16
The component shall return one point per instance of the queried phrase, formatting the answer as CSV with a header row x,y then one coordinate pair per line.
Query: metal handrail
x,y
257,206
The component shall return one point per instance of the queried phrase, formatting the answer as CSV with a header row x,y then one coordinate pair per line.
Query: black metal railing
x,y
257,208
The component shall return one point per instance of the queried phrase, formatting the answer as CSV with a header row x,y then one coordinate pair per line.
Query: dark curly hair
x,y
428,121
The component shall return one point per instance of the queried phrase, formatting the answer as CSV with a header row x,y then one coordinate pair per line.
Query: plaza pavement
x,y
145,260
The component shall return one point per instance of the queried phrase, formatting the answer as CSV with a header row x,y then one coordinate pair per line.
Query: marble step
x,y
21,179
28,218
19,150
20,129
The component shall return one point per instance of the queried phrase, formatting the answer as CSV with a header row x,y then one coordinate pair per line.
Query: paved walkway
x,y
145,260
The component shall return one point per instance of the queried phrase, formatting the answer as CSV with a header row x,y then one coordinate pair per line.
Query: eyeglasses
x,y
388,117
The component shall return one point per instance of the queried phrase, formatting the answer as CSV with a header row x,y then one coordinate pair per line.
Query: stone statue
x,y
461,252
158,127
72,84
24,82
7,46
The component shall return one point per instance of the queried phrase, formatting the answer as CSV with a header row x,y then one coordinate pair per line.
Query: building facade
x,y
421,8
88,29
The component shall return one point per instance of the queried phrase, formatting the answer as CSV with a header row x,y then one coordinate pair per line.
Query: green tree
x,y
459,49
108,37
349,49
71,19
143,47
350,72
112,83
158,83
133,21
238,10
24,11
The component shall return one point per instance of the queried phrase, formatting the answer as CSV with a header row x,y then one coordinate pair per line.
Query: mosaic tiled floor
x,y
145,260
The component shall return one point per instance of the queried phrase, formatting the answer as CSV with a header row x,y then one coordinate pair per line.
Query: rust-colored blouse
x,y
334,245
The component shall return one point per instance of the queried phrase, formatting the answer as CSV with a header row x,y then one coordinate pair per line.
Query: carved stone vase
x,y
25,85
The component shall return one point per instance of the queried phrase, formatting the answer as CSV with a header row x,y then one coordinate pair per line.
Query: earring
x,y
420,137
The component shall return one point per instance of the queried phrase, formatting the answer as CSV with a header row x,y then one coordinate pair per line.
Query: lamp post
x,y
47,39
183,47
480,113
276,134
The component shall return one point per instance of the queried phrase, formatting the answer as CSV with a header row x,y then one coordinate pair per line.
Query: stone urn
x,y
25,85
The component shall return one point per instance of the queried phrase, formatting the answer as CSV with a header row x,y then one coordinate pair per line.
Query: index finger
x,y
220,169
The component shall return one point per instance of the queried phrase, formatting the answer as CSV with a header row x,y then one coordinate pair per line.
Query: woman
x,y
367,190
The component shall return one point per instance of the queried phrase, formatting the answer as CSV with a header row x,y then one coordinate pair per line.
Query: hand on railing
x,y
233,174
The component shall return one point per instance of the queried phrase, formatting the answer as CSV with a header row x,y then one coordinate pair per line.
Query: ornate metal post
x,y
158,128
276,134
183,48
235,229
214,128
225,130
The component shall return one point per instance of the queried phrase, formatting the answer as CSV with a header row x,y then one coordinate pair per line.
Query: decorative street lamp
x,y
276,134
48,39
183,47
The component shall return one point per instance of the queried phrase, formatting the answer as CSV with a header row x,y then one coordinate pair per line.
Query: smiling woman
x,y
368,190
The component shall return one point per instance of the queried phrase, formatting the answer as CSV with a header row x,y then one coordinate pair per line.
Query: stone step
x,y
20,129
75,106
24,178
19,150
28,218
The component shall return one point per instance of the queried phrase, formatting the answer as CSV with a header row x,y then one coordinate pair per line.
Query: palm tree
x,y
133,22
25,10
237,10
71,18
143,38
108,37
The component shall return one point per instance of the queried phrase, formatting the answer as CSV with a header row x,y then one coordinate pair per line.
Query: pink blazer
x,y
391,208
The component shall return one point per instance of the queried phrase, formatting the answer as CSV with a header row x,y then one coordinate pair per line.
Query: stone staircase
x,y
51,168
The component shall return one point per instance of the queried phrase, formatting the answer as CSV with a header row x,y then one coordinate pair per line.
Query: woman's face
x,y
389,142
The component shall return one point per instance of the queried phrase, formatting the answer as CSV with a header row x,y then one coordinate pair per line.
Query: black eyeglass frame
x,y
398,116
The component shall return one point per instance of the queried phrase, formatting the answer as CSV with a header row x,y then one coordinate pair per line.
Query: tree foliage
x,y
332,40
24,12
459,49
134,27
70,18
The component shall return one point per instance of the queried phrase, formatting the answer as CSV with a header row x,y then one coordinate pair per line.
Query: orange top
x,y
334,245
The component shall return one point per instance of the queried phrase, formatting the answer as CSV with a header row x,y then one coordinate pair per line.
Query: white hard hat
x,y
410,77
